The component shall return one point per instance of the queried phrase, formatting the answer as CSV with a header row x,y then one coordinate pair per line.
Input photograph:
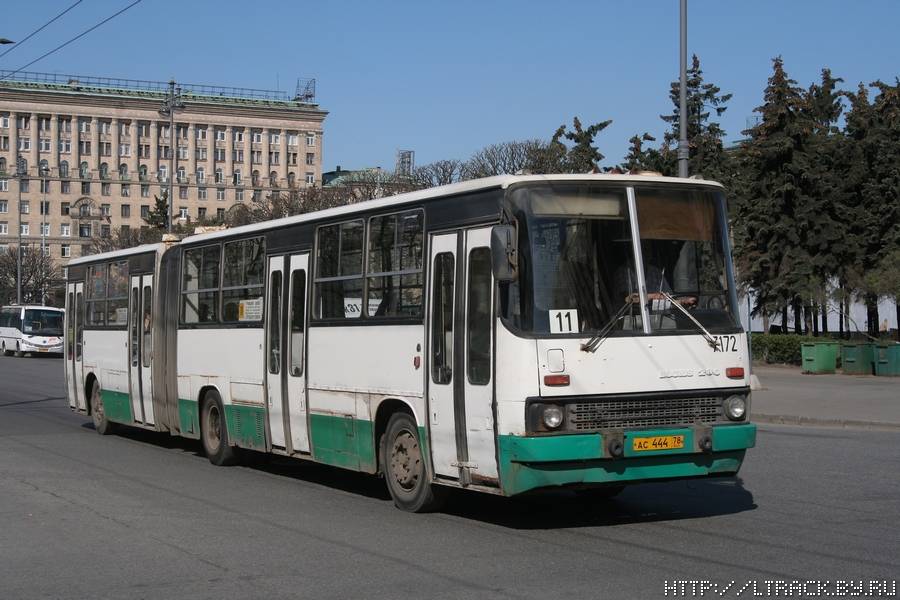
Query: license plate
x,y
43,349
657,442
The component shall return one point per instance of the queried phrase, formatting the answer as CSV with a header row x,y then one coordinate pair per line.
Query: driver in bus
x,y
655,281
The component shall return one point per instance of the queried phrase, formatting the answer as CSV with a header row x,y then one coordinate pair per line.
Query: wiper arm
x,y
706,334
592,344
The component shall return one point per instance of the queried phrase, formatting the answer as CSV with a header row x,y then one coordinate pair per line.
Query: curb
x,y
814,422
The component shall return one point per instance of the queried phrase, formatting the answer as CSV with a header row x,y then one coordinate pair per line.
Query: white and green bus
x,y
503,335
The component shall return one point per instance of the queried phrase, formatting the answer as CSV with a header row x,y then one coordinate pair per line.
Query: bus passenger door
x,y
441,355
295,342
70,344
78,353
274,362
478,367
140,346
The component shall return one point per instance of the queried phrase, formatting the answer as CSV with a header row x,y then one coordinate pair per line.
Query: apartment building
x,y
93,153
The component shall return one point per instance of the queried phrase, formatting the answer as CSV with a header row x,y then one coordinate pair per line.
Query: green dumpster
x,y
857,359
819,357
887,360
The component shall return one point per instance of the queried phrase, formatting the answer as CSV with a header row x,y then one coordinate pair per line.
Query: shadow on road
x,y
554,509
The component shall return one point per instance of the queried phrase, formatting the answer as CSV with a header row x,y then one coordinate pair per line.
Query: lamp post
x,y
683,147
21,172
44,173
171,103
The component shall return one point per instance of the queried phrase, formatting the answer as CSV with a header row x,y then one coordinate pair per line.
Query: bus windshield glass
x,y
577,271
574,247
684,255
42,322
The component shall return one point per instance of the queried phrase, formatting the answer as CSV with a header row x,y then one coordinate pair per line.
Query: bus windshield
x,y
577,268
42,322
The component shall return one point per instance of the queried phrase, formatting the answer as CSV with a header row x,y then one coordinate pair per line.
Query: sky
x,y
447,78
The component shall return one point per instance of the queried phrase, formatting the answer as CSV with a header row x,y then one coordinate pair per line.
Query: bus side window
x,y
298,313
79,325
70,325
478,319
135,316
442,319
275,324
147,320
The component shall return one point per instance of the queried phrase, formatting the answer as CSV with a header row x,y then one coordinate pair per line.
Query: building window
x,y
201,133
65,146
65,251
84,210
64,209
273,179
105,127
144,129
183,192
45,186
163,173
84,230
105,210
274,138
84,147
292,158
124,149
25,144
182,213
65,229
123,172
182,152
274,158
256,137
145,190
201,213
44,123
4,206
4,185
310,178
23,122
311,139
144,151
182,131
201,153
254,178
25,207
219,176
25,229
105,149
142,173
65,187
44,144
126,211
145,211
4,120
4,142
164,131
220,193
292,139
126,190
220,214
310,158
45,207
24,185
291,180
65,125
124,127
201,193
104,171
45,229
256,157
4,228
86,188
181,175
237,156
220,135
105,189
220,154
104,230
84,125
165,152
64,168
238,136
239,195
236,177
201,175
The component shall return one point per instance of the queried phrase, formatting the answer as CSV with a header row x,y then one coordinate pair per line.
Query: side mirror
x,y
504,260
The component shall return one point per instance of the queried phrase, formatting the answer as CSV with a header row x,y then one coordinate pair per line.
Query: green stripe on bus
x,y
343,441
246,425
527,463
189,417
117,406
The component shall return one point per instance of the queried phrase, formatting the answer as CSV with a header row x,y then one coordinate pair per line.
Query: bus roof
x,y
475,185
117,253
33,306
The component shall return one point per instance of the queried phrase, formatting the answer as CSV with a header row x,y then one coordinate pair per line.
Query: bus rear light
x,y
734,372
556,380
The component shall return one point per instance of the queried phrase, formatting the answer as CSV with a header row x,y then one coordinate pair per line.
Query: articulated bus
x,y
503,335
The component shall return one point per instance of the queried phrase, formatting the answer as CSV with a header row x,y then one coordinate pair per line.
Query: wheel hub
x,y
406,460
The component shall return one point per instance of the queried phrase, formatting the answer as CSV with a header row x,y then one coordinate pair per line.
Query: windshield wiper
x,y
706,334
592,344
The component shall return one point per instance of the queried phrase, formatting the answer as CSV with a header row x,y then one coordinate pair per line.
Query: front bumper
x,y
42,349
532,462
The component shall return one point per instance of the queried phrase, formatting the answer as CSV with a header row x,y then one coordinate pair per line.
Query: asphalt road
x,y
146,516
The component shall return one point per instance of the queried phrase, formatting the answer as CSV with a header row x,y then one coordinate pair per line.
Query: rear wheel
x,y
403,466
98,416
214,432
5,351
19,353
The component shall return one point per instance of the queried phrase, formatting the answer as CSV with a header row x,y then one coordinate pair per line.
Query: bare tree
x,y
125,238
440,172
528,156
39,274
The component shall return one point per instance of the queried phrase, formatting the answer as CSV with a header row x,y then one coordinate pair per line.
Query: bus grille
x,y
613,413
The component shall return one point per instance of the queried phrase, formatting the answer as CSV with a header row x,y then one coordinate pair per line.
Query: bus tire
x,y
102,425
403,467
5,351
18,353
214,431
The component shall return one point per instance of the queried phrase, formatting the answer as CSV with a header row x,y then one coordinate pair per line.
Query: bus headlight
x,y
552,416
735,407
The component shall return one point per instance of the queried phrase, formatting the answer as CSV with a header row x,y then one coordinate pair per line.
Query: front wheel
x,y
19,353
214,432
403,466
102,425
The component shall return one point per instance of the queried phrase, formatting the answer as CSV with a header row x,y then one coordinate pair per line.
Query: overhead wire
x,y
64,44
38,30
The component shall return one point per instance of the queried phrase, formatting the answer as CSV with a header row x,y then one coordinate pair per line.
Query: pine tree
x,y
158,217
583,156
